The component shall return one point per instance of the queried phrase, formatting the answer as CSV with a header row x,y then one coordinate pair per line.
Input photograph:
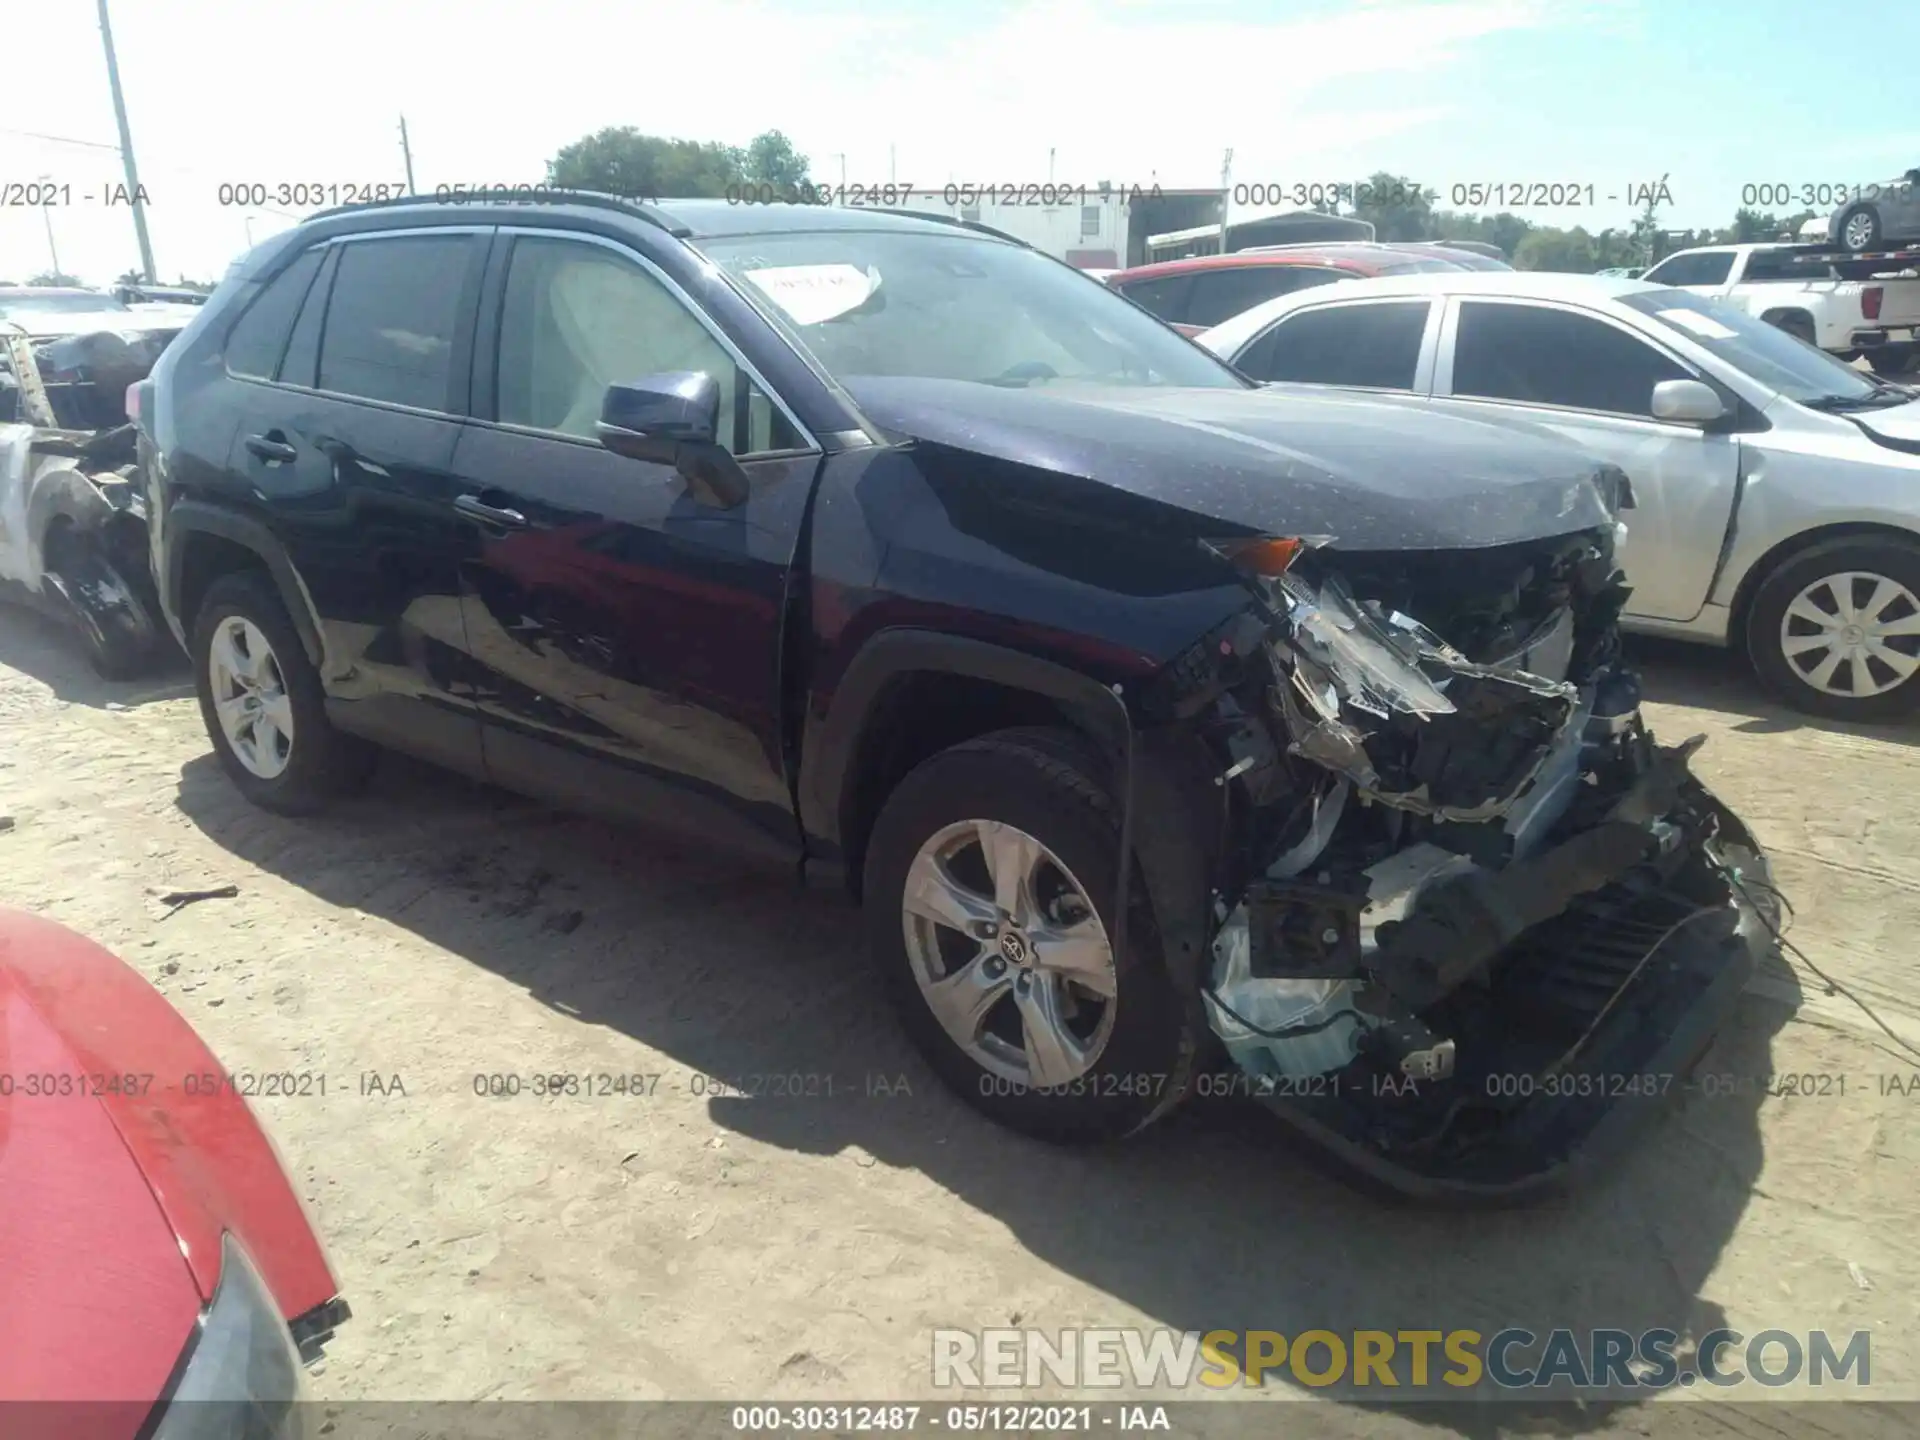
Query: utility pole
x,y
126,150
893,168
46,213
406,152
1226,194
1050,165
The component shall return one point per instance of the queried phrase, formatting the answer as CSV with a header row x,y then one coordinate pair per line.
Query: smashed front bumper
x,y
1499,1135
1498,924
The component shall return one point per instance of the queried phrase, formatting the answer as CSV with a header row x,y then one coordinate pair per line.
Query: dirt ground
x,y
684,1244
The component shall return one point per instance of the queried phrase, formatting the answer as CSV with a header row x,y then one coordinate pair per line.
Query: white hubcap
x,y
250,697
1009,953
1853,635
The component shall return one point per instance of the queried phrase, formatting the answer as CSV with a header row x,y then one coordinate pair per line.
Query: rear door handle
x,y
271,447
474,508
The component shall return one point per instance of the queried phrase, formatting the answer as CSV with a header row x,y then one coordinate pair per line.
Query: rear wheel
x,y
1797,324
1891,360
1835,631
262,702
990,884
1860,229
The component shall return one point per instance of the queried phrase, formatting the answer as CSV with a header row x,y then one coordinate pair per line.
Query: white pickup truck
x,y
1804,290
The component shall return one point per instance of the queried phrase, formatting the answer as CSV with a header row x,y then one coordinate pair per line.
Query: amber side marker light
x,y
1266,555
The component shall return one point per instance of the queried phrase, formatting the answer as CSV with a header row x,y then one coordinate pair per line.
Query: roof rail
x,y
951,220
536,194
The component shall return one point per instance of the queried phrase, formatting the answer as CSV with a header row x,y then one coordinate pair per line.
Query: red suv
x,y
1200,292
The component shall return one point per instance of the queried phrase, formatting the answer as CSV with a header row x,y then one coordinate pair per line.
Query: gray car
x,y
1777,490
1878,216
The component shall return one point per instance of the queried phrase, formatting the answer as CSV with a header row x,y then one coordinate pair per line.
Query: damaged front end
x,y
1468,918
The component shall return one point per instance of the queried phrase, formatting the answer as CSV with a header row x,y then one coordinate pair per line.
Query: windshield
x,y
934,305
1770,355
72,302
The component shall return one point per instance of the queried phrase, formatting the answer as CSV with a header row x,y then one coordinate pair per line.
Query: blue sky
x,y
1615,93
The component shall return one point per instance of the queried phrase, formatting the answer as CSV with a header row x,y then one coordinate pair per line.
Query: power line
x,y
60,139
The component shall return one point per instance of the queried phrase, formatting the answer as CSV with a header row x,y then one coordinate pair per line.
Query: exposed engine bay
x,y
1457,874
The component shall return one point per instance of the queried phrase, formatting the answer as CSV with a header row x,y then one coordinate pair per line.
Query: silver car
x,y
1777,491
1878,216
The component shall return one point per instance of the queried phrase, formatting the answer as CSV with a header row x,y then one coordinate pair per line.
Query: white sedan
x,y
1777,491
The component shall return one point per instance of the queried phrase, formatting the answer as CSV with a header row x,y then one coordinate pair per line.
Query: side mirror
x,y
1687,402
672,419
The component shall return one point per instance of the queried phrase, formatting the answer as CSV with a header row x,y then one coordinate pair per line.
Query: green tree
x,y
620,160
1648,240
54,277
772,160
1548,248
1397,206
1751,226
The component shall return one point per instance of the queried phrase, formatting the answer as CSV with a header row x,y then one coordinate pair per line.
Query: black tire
x,y
1871,233
1894,559
1891,360
323,763
1052,786
115,630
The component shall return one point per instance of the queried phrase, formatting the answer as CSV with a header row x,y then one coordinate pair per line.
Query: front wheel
x,y
1835,631
262,702
990,886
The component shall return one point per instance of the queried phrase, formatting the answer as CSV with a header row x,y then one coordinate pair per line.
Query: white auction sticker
x,y
812,293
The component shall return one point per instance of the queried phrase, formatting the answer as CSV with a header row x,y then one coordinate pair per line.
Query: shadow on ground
x,y
37,645
1208,1221
1676,673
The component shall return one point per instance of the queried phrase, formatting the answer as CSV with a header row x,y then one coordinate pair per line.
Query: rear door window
x,y
1165,296
1709,268
1219,295
396,307
1375,346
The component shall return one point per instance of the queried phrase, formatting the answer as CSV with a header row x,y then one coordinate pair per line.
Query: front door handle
x,y
474,508
271,447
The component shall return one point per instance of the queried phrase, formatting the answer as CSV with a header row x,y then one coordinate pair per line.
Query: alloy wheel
x,y
250,697
1853,635
1859,231
1009,953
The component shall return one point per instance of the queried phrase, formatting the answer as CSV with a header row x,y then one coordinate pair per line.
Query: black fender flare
x,y
1169,809
189,517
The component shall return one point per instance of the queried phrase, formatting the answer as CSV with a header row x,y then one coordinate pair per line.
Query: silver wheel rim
x,y
250,697
1009,953
1859,232
1853,635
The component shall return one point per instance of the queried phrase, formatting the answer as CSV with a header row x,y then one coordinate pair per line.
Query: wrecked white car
x,y
73,531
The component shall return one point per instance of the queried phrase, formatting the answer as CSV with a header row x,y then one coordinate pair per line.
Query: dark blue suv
x,y
1161,720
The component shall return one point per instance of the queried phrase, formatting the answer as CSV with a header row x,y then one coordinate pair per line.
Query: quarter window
x,y
577,318
1541,356
391,320
254,347
1374,346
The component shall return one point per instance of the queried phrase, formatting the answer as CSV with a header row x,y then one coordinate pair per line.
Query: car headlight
x,y
243,1376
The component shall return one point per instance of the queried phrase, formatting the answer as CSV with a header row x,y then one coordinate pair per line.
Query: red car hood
x,y
116,1182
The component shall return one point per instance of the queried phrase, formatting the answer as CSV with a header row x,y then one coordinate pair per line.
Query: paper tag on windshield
x,y
1705,326
812,293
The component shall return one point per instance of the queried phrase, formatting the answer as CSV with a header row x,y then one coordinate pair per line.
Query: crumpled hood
x,y
1372,472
